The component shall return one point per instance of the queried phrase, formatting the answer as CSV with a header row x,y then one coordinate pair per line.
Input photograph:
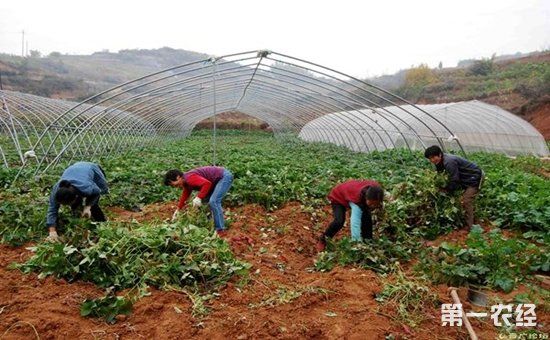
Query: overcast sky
x,y
361,38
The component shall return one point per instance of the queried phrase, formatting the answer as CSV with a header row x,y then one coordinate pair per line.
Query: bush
x,y
482,67
536,85
416,80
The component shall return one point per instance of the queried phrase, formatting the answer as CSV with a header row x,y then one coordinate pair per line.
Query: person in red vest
x,y
361,196
211,182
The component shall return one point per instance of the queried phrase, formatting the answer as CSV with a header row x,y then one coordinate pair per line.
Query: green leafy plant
x,y
378,255
107,307
417,204
123,256
488,259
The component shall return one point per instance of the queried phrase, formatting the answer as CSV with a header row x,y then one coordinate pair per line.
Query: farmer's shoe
x,y
222,233
321,244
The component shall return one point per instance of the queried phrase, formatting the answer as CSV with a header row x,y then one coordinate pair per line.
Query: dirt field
x,y
283,299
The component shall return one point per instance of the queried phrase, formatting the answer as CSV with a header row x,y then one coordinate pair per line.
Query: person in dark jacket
x,y
212,182
82,181
463,175
361,196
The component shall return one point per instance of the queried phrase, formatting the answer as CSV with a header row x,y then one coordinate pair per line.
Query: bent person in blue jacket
x,y
463,175
82,181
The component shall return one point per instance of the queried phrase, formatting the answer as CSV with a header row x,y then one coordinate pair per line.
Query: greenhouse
x,y
292,95
477,125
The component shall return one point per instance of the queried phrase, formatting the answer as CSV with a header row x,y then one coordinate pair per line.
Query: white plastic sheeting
x,y
88,129
477,125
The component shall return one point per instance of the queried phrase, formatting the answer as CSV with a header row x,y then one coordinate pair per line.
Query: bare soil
x,y
539,117
283,298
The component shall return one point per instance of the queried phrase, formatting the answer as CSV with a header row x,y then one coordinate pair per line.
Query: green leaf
x,y
87,307
506,284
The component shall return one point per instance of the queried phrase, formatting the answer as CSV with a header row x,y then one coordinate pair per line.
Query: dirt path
x,y
284,298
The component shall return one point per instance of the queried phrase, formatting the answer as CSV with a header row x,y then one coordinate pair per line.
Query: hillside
x,y
75,77
520,85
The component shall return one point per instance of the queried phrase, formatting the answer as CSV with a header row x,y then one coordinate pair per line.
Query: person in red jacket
x,y
361,196
212,182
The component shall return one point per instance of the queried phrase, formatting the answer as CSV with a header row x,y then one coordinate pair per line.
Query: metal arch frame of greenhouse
x,y
283,91
24,118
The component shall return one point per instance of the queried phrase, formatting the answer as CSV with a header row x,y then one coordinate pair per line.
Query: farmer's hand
x,y
197,202
52,237
175,215
87,212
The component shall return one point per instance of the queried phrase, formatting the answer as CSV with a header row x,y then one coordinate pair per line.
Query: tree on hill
x,y
35,54
416,80
482,67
